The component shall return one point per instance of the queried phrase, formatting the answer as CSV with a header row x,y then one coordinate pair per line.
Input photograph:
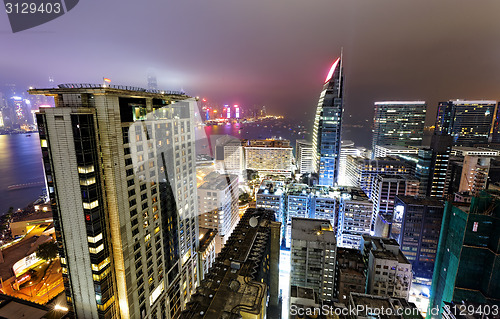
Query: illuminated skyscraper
x,y
398,123
120,170
468,122
236,111
327,127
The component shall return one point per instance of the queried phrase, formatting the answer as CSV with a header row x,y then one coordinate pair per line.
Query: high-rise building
x,y
297,204
206,251
244,279
324,203
432,166
385,189
218,205
271,196
468,174
389,271
355,217
229,155
120,169
327,126
303,150
347,148
313,256
350,273
416,226
467,266
269,157
468,122
398,123
393,150
362,171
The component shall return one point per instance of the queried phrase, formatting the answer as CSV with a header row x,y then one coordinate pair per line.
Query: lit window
x,y
86,169
91,205
103,264
88,181
95,239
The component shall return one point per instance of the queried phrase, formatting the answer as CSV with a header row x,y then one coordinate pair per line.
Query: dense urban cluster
x,y
138,225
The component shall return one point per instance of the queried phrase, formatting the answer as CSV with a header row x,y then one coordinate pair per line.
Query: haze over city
x,y
273,53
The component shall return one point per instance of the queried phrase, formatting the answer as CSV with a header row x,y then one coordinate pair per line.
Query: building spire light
x,y
332,70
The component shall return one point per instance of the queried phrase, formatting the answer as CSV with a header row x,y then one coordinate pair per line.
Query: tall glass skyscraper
x,y
398,123
468,122
327,126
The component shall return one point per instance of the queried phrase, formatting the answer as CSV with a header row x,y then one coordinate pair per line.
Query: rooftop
x,y
108,88
269,187
233,281
471,102
373,302
218,182
269,143
22,217
312,230
11,307
420,201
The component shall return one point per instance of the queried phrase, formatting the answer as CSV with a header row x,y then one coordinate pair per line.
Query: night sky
x,y
269,52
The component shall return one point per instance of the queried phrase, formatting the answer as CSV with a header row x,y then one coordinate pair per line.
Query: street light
x,y
59,307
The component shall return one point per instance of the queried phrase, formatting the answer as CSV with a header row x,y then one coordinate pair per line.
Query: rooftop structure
x,y
244,274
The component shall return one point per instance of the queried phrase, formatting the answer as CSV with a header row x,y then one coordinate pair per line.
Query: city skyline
x,y
389,60
187,165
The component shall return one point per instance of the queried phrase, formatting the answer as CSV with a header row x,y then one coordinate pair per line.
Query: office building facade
x,y
398,123
355,217
389,271
418,224
304,156
313,254
385,189
269,157
362,172
467,122
218,204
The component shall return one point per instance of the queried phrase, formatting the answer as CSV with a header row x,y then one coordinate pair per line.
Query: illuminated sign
x,y
475,226
399,213
24,264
